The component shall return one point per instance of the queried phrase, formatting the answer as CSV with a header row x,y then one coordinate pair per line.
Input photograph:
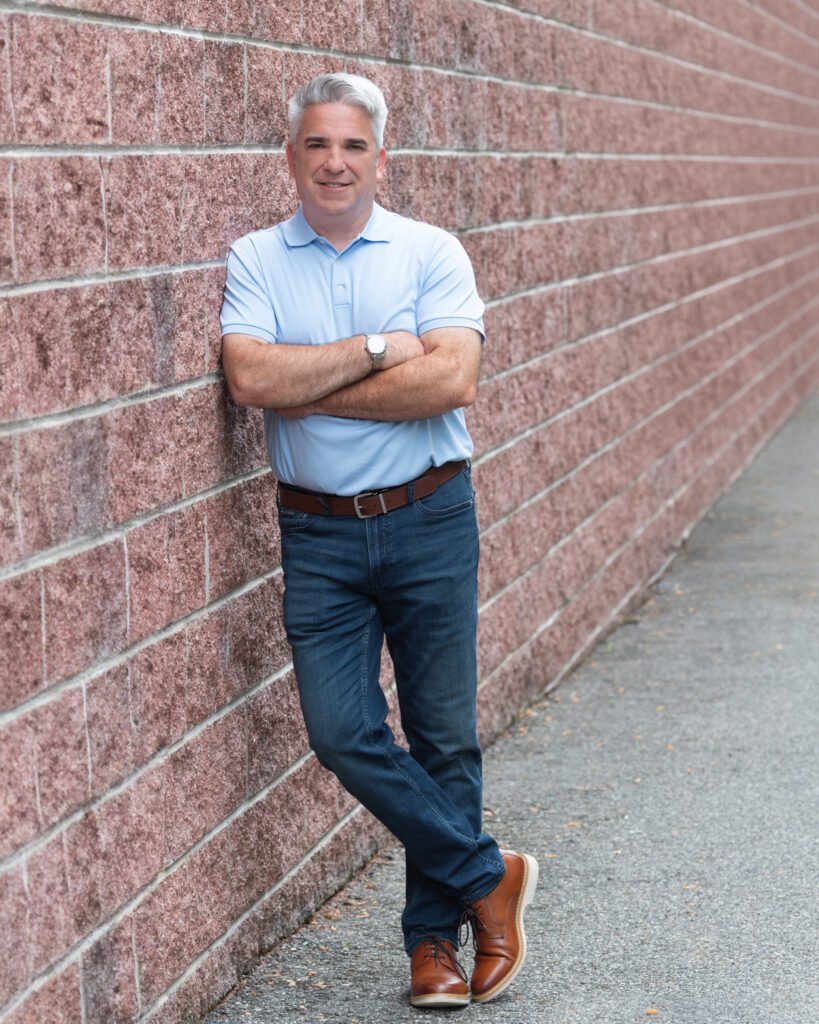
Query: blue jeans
x,y
410,575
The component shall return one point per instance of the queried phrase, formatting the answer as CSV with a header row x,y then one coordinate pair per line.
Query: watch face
x,y
376,345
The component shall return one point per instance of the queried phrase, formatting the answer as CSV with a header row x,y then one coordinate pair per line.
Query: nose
x,y
335,160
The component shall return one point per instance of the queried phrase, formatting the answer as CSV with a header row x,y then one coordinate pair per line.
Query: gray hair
x,y
340,87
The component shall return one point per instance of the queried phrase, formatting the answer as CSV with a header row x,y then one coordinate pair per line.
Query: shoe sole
x,y
530,875
440,999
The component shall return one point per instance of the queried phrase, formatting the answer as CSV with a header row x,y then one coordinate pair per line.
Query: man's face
x,y
335,164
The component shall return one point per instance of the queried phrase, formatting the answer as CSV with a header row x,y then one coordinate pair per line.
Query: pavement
x,y
669,791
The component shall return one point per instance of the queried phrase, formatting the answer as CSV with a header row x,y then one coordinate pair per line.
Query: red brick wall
x,y
638,186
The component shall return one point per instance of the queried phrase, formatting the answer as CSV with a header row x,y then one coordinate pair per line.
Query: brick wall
x,y
638,186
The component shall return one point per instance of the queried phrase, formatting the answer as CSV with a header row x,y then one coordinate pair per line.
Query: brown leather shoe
x,y
437,976
497,921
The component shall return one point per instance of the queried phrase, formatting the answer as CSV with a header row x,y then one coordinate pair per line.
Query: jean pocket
x,y
291,520
455,496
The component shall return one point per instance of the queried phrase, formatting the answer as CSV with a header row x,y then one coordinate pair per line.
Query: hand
x,y
401,346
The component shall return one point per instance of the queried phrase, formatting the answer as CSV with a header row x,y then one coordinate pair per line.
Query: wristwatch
x,y
376,345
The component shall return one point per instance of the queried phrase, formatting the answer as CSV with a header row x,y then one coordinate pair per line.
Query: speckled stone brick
x,y
59,73
18,786
157,678
205,779
265,120
21,628
108,717
166,569
85,609
57,1001
50,927
144,457
109,977
224,92
59,223
63,483
243,534
280,21
276,732
60,752
122,847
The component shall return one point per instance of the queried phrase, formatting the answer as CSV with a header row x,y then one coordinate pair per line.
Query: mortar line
x,y
698,430
550,687
127,24
640,424
139,273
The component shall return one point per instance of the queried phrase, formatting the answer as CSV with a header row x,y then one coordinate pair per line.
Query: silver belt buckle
x,y
369,494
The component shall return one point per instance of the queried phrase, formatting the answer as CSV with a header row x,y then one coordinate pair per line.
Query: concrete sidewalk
x,y
669,791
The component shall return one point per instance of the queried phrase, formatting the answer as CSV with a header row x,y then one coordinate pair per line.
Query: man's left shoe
x,y
437,976
497,921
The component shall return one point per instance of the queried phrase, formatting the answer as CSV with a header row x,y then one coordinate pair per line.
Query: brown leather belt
x,y
369,503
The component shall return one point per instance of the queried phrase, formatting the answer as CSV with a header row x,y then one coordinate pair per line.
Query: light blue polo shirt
x,y
288,285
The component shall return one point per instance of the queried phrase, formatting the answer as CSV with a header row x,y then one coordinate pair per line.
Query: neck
x,y
339,233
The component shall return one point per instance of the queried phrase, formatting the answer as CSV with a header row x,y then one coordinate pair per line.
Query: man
x,y
359,332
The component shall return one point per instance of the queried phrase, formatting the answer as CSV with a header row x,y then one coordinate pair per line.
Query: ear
x,y
381,164
288,152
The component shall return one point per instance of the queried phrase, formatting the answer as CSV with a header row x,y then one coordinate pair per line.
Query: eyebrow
x,y
323,138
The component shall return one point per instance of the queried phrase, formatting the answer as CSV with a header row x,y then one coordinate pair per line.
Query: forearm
x,y
281,375
418,389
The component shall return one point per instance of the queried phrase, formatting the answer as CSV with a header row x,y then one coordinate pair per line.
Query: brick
x,y
144,457
171,208
85,609
157,697
276,733
243,534
236,866
14,962
234,648
60,754
134,60
112,852
266,121
57,1001
109,978
18,788
10,546
58,71
110,740
181,108
59,224
331,25
21,650
166,570
281,21
205,780
224,92
220,439
8,261
63,483
50,928
7,126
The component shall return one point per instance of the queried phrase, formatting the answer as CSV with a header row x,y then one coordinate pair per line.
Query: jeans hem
x,y
410,947
483,890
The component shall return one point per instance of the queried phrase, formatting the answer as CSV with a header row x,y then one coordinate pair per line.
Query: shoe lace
x,y
437,948
471,921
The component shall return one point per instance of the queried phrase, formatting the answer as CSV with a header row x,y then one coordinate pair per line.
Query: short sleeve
x,y
448,295
246,305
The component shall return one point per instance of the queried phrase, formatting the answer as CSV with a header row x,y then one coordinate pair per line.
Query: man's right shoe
x,y
497,922
437,976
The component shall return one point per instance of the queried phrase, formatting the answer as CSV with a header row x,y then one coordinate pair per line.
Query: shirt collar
x,y
297,231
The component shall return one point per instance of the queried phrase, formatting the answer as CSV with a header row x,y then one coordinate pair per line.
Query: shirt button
x,y
339,287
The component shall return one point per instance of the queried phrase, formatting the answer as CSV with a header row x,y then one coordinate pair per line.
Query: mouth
x,y
334,186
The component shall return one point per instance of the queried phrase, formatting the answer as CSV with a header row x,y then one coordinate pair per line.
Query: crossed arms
x,y
421,377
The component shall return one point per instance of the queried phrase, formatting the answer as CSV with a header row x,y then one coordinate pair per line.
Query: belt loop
x,y
410,492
